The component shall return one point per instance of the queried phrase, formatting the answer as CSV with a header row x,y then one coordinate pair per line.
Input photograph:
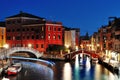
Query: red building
x,y
26,30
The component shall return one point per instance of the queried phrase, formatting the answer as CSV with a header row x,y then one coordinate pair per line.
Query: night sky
x,y
88,15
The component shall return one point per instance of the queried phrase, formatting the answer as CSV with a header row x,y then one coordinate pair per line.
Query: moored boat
x,y
14,69
94,60
5,78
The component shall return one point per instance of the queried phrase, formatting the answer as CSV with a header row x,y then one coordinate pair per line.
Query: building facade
x,y
85,42
27,30
109,39
2,34
71,38
94,40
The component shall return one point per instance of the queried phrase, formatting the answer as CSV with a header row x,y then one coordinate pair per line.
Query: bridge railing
x,y
89,53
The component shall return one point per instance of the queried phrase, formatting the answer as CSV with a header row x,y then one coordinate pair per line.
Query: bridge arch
x,y
83,54
22,49
71,55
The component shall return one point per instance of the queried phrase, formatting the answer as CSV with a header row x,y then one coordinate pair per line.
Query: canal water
x,y
64,71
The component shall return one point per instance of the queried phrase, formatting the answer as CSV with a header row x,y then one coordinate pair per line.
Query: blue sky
x,y
88,15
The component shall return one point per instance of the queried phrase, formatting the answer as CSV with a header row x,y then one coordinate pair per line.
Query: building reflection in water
x,y
67,72
100,74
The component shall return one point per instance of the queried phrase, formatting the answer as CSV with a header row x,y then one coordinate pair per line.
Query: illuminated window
x,y
13,37
49,28
48,36
42,37
54,37
42,28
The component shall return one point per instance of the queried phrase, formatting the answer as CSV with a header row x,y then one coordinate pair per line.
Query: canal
x,y
64,71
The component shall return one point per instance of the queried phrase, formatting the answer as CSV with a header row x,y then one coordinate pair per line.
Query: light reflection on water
x,y
77,67
89,71
103,74
67,72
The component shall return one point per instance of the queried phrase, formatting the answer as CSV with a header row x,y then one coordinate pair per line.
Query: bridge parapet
x,y
71,55
17,49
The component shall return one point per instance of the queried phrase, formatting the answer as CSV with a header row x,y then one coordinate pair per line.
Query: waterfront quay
x,y
111,65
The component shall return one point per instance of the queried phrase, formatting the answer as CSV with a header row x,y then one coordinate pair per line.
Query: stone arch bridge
x,y
31,51
71,55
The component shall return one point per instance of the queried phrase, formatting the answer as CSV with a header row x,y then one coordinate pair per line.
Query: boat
x,y
14,69
5,78
94,60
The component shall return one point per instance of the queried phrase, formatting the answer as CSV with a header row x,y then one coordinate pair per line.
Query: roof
x,y
68,29
23,14
2,24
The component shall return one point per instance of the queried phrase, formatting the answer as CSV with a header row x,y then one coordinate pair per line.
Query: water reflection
x,y
67,72
77,67
32,71
88,64
89,71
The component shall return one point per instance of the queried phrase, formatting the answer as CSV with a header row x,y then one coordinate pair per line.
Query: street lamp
x,y
81,46
29,45
76,48
6,46
67,46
